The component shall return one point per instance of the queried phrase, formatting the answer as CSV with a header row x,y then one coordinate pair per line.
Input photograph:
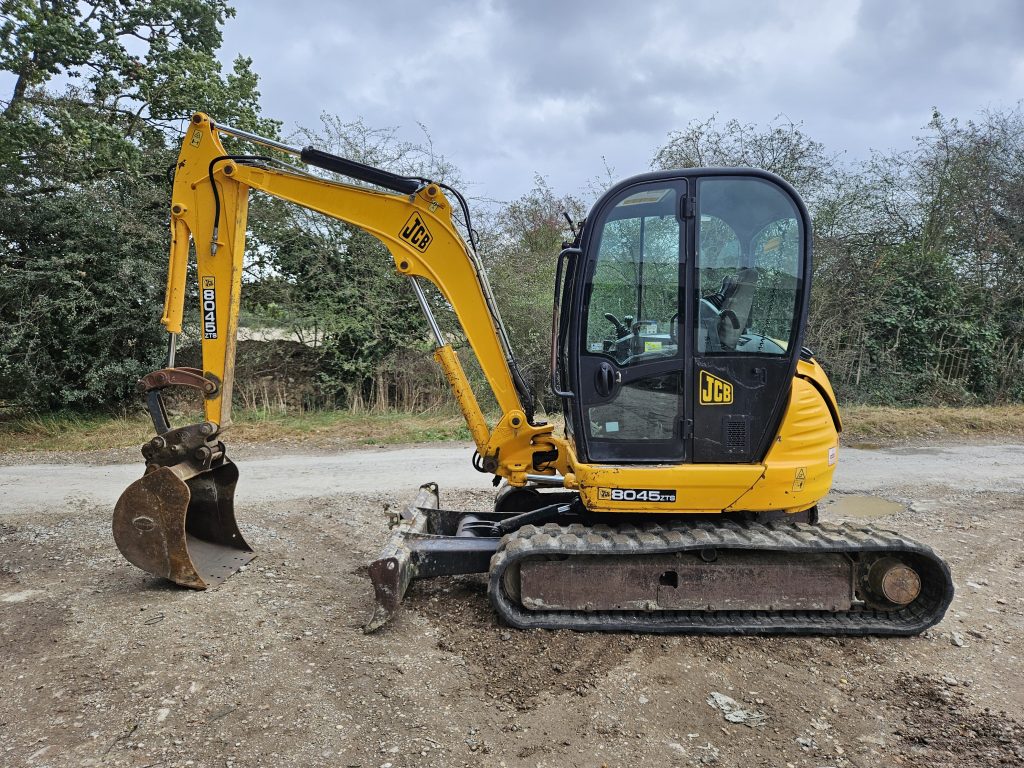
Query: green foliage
x,y
919,283
86,139
80,295
333,285
148,61
919,256
336,288
781,147
519,246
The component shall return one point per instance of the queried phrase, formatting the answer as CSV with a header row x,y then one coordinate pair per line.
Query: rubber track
x,y
580,540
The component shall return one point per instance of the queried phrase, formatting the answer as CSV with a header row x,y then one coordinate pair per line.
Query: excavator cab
x,y
712,267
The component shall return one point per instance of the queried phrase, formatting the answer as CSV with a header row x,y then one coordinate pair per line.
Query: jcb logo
x,y
208,297
714,391
416,233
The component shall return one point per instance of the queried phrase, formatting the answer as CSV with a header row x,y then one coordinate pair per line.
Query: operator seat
x,y
734,302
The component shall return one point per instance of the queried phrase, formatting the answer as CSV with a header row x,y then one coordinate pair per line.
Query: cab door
x,y
628,353
751,275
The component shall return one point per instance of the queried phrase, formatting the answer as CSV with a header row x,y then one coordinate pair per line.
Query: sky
x,y
509,89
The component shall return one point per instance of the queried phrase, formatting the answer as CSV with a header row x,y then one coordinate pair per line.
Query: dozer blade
x,y
391,573
179,524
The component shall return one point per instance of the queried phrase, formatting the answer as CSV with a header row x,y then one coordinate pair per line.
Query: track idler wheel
x,y
891,583
179,523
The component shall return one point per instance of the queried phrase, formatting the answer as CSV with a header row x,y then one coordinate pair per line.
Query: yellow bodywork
x,y
795,475
419,232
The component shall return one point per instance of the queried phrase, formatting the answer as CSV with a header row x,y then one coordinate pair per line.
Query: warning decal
x,y
799,478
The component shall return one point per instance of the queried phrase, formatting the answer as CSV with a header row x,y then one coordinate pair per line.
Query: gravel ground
x,y
102,665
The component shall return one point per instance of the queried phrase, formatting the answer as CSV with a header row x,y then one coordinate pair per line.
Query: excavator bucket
x,y
179,523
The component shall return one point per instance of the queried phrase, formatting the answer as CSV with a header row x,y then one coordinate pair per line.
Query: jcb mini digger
x,y
699,433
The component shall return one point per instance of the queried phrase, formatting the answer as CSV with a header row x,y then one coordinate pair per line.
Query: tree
x,y
86,141
918,287
334,286
520,249
919,255
780,147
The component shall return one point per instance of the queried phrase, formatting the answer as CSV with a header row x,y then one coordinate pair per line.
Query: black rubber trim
x,y
632,541
829,402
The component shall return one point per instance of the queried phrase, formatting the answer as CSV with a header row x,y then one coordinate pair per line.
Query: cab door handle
x,y
605,378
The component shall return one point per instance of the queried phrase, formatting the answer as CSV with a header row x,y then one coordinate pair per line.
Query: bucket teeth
x,y
179,524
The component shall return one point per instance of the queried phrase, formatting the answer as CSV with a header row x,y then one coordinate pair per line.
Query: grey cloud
x,y
508,88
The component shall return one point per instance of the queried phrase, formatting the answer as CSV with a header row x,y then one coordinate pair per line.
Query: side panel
x,y
800,464
795,475
734,404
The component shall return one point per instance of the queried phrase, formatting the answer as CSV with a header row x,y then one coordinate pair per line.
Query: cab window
x,y
749,271
634,296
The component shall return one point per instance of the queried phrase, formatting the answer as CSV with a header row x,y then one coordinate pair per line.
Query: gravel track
x,y
102,665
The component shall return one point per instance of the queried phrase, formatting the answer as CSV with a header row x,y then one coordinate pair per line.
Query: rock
x,y
675,745
733,712
711,754
957,639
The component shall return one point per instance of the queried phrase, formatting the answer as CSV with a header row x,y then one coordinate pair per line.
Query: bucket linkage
x,y
178,520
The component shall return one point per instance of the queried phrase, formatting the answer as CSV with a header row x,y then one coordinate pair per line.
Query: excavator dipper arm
x,y
177,521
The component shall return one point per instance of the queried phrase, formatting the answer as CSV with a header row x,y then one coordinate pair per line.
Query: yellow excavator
x,y
700,435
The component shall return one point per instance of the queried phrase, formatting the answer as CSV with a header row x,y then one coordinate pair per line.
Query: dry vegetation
x,y
339,429
863,423
348,429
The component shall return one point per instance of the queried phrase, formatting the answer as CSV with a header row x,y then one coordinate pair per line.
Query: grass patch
x,y
62,432
876,424
344,429
347,428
